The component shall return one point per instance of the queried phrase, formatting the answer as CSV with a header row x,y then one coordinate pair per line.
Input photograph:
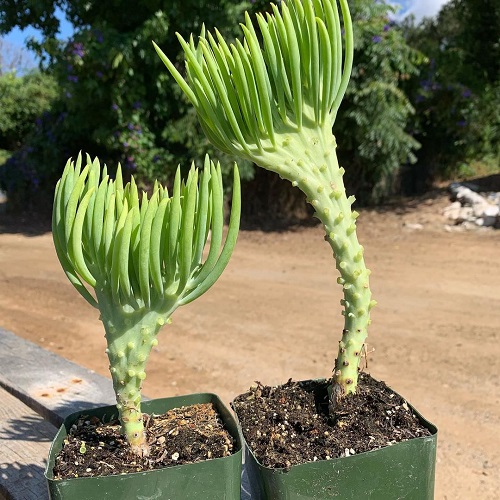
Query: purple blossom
x,y
466,93
98,36
68,95
130,126
156,158
69,67
125,144
78,49
387,27
72,78
115,107
425,84
462,123
131,163
99,74
376,39
136,105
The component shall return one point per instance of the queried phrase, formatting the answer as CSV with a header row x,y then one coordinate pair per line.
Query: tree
x,y
457,94
373,121
116,101
23,99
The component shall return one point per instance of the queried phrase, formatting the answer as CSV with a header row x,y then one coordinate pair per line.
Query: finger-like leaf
x,y
155,251
98,219
116,265
202,215
72,204
76,248
228,248
144,246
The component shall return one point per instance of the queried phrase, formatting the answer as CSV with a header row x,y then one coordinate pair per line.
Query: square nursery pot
x,y
402,470
216,479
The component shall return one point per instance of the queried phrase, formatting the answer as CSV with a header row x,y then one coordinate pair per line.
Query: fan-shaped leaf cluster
x,y
137,249
289,70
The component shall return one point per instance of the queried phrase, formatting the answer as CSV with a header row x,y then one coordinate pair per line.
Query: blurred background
x,y
422,105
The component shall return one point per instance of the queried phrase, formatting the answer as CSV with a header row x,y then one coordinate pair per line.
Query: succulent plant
x,y
143,257
272,98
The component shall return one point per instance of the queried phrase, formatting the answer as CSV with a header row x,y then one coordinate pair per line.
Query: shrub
x,y
22,100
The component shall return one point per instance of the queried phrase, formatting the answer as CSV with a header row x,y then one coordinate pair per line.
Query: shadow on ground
x,y
261,216
27,224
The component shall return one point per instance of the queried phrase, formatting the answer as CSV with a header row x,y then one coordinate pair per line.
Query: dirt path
x,y
275,314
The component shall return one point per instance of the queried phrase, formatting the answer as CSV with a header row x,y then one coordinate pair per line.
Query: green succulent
x,y
272,98
143,257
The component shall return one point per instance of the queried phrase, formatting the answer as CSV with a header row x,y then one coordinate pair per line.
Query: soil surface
x,y
290,424
275,315
180,436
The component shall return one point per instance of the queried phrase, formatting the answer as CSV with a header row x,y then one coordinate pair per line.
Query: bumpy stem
x,y
308,159
130,335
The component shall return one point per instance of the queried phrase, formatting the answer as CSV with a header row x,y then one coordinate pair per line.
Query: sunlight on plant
x,y
4,156
272,98
143,257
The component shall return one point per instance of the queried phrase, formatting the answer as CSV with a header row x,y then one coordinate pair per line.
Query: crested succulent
x,y
272,98
143,257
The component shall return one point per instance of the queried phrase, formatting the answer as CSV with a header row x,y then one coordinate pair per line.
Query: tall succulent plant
x,y
272,98
143,257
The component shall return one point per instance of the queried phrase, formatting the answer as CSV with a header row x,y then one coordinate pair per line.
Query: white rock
x,y
469,197
466,214
452,212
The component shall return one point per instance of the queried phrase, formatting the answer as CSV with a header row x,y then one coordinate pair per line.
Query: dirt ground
x,y
275,314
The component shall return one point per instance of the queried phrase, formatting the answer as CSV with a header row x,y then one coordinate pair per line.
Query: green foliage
x,y
143,256
4,156
456,95
27,128
23,99
483,119
375,117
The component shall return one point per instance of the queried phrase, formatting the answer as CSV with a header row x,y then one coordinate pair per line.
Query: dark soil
x,y
180,436
289,424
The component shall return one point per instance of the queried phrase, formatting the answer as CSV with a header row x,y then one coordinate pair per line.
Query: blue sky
x,y
419,8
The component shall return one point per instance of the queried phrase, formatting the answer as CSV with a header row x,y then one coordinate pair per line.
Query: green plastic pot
x,y
216,479
403,470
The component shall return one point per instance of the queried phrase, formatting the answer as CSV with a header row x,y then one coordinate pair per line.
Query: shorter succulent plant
x,y
143,256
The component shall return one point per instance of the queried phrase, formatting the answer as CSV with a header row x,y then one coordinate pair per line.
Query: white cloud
x,y
419,8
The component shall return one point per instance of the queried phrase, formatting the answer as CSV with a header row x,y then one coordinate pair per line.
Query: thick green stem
x,y
130,336
308,159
